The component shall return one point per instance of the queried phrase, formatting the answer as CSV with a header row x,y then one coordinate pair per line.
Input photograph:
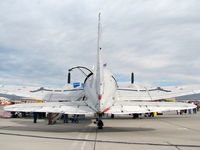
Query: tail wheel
x,y
100,124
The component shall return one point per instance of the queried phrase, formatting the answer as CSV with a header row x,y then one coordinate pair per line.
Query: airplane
x,y
5,101
102,95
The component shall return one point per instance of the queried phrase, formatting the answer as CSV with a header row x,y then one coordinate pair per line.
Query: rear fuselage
x,y
101,102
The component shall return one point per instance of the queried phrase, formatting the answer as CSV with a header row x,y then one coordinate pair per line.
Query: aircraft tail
x,y
99,71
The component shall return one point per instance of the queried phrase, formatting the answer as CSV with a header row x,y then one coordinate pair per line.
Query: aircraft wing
x,y
153,93
46,94
52,107
126,107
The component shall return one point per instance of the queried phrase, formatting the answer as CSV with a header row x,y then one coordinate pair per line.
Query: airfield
x,y
169,131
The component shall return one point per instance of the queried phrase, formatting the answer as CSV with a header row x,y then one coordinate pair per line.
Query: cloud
x,y
41,39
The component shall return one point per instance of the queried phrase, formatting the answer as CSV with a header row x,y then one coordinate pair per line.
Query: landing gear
x,y
135,116
99,121
100,124
112,116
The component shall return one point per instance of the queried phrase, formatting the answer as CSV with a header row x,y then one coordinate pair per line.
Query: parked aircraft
x,y
5,101
102,95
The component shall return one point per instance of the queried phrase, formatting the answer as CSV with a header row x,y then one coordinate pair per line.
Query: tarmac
x,y
167,132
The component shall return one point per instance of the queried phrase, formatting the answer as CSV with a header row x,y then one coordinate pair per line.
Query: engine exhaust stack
x,y
132,78
69,77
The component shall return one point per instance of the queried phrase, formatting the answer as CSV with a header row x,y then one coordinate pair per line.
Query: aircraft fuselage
x,y
101,102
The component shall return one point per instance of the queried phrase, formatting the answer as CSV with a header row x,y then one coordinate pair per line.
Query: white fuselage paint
x,y
108,95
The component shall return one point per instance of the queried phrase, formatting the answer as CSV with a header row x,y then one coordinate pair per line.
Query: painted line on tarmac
x,y
174,145
95,140
98,141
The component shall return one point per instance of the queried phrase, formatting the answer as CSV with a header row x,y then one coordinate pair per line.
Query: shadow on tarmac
x,y
72,128
85,125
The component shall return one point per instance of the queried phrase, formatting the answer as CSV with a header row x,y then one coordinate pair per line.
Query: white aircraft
x,y
101,95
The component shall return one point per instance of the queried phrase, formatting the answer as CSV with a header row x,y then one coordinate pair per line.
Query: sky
x,y
158,40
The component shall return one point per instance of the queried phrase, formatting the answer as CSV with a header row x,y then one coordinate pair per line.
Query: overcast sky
x,y
159,40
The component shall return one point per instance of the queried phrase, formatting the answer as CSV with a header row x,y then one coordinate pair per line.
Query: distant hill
x,y
12,97
189,97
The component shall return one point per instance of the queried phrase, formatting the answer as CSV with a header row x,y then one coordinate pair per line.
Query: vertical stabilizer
x,y
99,71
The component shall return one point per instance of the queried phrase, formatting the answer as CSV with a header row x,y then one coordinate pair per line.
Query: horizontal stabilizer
x,y
147,107
52,107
